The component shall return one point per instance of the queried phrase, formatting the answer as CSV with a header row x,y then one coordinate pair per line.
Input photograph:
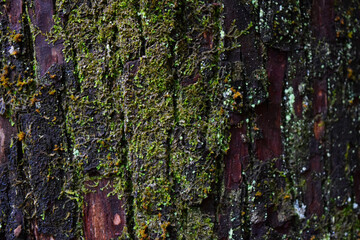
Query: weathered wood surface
x,y
179,119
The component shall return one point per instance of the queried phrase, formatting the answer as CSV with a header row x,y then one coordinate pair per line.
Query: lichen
x,y
145,98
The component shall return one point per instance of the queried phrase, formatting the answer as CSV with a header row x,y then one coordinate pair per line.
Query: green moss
x,y
146,142
280,23
147,104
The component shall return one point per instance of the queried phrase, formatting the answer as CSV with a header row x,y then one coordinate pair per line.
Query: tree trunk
x,y
179,119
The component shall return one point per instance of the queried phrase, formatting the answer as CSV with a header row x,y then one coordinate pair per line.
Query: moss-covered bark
x,y
179,119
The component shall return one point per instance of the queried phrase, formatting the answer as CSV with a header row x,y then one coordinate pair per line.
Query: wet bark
x,y
124,119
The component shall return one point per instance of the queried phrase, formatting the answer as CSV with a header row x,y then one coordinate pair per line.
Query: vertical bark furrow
x,y
238,65
99,49
198,137
269,146
343,131
45,134
150,118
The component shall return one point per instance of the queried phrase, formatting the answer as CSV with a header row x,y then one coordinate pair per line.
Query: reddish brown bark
x,y
104,215
323,19
269,145
237,156
6,133
46,53
323,28
263,194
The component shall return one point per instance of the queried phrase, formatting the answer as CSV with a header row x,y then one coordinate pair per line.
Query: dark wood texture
x,y
179,119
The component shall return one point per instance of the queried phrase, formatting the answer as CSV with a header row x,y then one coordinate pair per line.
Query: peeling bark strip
x,y
104,215
268,148
46,53
297,85
269,145
237,156
323,29
236,61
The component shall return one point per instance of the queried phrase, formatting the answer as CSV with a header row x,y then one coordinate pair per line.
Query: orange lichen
x,y
73,97
18,37
164,226
21,136
14,52
143,233
237,95
222,111
4,81
4,76
33,100
287,196
5,70
20,84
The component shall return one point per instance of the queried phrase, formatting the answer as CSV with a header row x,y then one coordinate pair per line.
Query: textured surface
x,y
179,119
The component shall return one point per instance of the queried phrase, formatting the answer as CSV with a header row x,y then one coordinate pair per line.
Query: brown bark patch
x,y
313,196
17,231
237,156
46,54
320,97
319,129
117,219
208,37
298,104
104,216
190,80
323,19
6,132
14,12
269,145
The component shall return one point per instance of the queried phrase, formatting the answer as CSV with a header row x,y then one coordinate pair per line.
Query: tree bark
x,y
179,119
